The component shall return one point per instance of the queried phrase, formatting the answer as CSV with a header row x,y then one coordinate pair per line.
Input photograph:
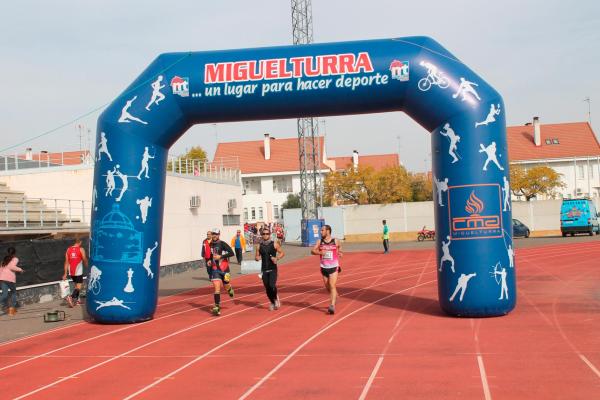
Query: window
x,y
555,141
253,213
580,171
276,212
245,214
231,219
282,184
252,186
548,141
260,213
591,171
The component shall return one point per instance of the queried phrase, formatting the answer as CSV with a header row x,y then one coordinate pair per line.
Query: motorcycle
x,y
425,234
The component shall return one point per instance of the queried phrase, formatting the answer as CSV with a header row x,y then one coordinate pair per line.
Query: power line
x,y
87,114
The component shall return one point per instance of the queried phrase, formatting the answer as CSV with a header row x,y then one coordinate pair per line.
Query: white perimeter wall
x,y
183,228
542,215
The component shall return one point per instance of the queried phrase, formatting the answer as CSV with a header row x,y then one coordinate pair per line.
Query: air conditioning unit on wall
x,y
231,204
195,202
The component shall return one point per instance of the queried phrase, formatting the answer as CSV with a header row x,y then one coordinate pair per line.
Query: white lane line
x,y
363,395
158,319
313,337
484,382
208,321
172,373
395,330
589,364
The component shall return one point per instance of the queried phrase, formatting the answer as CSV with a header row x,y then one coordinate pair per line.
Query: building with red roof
x,y
270,171
571,149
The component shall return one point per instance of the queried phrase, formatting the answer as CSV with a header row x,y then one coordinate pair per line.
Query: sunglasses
x,y
266,233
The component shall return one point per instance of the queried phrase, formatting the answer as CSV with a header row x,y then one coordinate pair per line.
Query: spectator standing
x,y
238,242
8,280
386,238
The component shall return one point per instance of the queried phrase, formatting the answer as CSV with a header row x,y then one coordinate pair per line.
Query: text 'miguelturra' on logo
x,y
475,211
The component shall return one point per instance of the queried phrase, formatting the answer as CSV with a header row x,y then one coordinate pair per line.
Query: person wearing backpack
x,y
8,280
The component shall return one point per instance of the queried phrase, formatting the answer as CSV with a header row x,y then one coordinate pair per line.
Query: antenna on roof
x,y
589,101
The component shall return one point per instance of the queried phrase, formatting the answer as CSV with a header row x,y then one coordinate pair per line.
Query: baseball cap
x,y
216,231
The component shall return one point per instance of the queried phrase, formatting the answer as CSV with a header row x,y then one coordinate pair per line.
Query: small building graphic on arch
x,y
400,70
116,240
180,86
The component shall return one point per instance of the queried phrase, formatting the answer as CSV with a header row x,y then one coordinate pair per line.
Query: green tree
x,y
422,187
367,186
530,183
292,201
186,163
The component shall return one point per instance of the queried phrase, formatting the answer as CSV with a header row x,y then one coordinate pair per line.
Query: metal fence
x,y
40,213
44,160
216,170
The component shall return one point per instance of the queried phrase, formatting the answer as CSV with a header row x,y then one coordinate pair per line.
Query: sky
x,y
62,61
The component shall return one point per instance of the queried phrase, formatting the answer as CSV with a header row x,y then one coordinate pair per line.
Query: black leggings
x,y
269,279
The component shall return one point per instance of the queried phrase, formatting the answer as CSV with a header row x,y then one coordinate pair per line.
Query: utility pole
x,y
308,128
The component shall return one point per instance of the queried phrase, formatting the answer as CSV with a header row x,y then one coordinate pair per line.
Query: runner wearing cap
x,y
329,249
220,252
269,251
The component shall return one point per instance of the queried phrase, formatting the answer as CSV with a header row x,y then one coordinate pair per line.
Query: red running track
x,y
387,340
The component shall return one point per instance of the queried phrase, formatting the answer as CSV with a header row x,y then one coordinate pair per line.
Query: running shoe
x,y
216,310
277,303
69,300
230,291
271,306
331,309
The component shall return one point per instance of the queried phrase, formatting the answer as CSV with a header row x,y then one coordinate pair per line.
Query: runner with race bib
x,y
329,249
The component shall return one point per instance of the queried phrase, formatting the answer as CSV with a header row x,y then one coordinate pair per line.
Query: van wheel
x,y
591,233
527,234
564,234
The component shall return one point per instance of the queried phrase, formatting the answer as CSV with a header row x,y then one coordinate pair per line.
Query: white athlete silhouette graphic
x,y
95,198
124,180
114,302
145,158
129,286
110,181
463,281
464,88
446,256
454,139
157,96
506,191
434,77
147,261
502,283
511,256
491,117
144,204
94,282
441,186
103,147
490,151
126,117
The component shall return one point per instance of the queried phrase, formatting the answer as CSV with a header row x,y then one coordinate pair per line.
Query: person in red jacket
x,y
75,260
8,280
205,253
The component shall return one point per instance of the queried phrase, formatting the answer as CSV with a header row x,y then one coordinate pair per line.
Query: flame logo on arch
x,y
474,204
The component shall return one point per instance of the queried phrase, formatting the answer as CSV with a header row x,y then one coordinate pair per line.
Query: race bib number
x,y
328,255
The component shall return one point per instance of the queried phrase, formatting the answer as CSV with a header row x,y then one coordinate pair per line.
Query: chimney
x,y
355,159
267,147
537,133
28,154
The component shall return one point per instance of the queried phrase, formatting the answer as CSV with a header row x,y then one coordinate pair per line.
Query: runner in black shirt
x,y
269,252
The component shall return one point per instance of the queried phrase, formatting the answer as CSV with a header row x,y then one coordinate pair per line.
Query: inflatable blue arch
x,y
464,114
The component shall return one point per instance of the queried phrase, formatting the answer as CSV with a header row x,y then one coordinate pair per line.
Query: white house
x,y
571,149
270,171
